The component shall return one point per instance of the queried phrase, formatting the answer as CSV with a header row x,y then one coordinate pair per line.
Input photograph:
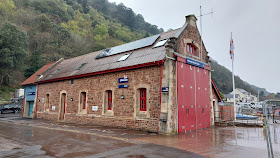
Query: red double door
x,y
193,97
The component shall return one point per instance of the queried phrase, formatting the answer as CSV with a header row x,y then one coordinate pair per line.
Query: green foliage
x,y
277,95
35,63
123,14
7,8
13,45
5,92
222,95
79,25
55,8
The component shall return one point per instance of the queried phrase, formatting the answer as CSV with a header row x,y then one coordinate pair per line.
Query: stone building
x,y
160,84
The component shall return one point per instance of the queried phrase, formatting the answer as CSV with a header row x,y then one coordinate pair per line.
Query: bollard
x,y
263,122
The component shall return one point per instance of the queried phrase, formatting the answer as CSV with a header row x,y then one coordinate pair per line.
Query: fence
x,y
246,115
267,116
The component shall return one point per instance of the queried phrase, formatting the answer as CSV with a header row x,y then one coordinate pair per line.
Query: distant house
x,y
30,92
160,84
229,97
244,96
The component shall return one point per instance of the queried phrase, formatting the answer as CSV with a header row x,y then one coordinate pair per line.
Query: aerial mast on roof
x,y
201,28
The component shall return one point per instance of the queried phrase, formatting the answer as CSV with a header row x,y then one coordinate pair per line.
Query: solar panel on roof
x,y
129,46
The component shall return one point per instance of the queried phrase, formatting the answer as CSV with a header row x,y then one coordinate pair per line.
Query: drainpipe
x,y
159,96
35,114
23,104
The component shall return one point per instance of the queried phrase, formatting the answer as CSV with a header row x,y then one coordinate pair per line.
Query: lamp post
x,y
258,96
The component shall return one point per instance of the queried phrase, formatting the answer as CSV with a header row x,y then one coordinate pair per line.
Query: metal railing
x,y
263,117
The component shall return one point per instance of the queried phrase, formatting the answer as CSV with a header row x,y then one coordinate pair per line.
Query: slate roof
x,y
242,91
231,95
32,79
68,68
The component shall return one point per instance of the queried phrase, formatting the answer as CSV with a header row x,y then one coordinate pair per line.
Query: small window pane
x,y
124,57
160,43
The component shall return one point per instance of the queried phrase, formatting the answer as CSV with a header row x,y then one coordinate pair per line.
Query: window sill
x,y
142,114
84,111
109,113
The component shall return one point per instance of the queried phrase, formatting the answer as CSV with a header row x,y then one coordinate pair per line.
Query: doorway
x,y
62,106
30,108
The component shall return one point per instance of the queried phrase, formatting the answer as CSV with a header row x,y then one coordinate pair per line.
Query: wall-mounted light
x,y
122,96
193,42
72,99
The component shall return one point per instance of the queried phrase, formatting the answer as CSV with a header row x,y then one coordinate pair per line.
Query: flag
x,y
231,51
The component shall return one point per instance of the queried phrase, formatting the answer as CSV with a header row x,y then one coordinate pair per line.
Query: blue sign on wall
x,y
30,93
164,89
194,62
123,86
123,80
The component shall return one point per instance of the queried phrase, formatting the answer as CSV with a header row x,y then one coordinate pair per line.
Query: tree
x,y
277,95
7,8
13,45
262,96
35,64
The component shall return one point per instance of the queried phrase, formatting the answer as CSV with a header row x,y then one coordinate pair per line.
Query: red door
x,y
193,97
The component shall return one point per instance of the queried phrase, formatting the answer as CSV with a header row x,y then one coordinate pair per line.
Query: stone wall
x,y
95,86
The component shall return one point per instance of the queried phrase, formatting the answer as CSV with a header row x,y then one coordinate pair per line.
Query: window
x,y
109,97
48,101
143,100
124,57
192,49
72,81
160,43
83,100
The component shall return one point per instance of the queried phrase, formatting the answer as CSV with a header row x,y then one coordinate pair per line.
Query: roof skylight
x,y
160,43
124,57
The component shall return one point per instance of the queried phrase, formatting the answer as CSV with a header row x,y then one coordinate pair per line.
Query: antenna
x,y
201,27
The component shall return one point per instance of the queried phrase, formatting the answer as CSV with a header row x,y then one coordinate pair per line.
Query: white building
x,y
244,96
229,97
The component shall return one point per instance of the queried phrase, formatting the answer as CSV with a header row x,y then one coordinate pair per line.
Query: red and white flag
x,y
231,51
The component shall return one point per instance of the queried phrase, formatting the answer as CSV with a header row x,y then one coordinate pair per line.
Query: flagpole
x,y
233,85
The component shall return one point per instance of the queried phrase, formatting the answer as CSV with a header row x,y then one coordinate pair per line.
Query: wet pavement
x,y
41,138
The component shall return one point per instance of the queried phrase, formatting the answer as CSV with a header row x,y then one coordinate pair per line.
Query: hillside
x,y
223,79
36,32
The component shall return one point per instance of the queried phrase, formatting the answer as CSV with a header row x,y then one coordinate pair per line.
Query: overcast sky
x,y
255,25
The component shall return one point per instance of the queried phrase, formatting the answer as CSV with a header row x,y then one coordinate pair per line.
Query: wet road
x,y
221,142
38,138
41,138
